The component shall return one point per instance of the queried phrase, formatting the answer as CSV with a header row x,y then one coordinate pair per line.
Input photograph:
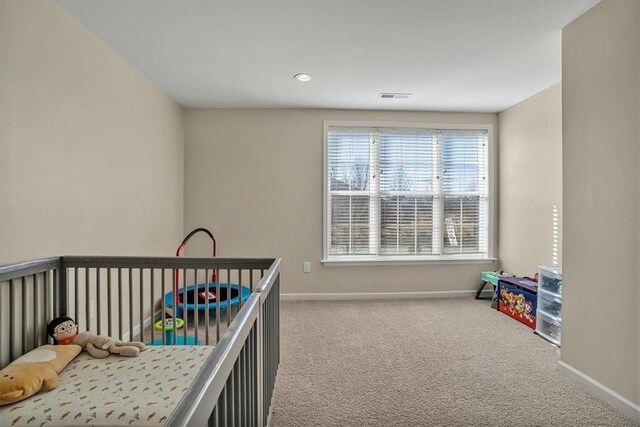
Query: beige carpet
x,y
433,362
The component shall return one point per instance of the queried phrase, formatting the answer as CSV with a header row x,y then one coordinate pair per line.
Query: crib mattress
x,y
141,391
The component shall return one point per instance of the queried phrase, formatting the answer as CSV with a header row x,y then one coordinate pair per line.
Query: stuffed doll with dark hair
x,y
65,331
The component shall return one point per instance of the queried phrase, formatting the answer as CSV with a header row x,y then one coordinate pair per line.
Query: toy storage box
x,y
517,297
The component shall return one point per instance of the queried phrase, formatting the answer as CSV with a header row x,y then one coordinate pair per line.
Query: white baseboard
x,y
600,390
380,295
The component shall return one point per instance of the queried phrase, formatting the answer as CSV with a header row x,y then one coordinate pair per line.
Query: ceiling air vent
x,y
395,95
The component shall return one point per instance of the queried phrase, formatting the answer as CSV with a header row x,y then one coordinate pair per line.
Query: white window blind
x,y
465,191
350,192
398,192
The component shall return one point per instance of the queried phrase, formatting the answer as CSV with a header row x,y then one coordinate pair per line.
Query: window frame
x,y
346,260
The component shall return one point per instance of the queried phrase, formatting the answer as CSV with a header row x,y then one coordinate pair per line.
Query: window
x,y
406,193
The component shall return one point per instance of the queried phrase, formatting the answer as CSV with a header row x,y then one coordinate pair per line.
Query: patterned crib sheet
x,y
117,391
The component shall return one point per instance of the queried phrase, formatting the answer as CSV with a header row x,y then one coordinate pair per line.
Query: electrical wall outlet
x,y
306,267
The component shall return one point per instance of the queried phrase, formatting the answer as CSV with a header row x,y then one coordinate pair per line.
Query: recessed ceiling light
x,y
303,77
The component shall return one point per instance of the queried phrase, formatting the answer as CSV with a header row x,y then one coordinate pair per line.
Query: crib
x,y
233,382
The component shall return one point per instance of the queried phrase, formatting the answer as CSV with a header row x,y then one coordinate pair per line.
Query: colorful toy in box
x,y
518,298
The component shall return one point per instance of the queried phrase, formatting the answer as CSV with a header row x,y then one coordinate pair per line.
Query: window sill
x,y
450,260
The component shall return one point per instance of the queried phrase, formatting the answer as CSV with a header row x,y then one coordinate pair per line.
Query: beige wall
x,y
91,152
254,177
530,165
601,167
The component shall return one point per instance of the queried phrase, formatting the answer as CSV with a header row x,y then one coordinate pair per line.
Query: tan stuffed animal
x,y
35,371
65,331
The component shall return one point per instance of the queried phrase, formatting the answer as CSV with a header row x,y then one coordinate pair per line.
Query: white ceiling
x,y
455,55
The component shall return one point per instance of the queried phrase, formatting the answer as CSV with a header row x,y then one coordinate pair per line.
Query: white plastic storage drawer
x,y
550,279
549,321
549,303
548,327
